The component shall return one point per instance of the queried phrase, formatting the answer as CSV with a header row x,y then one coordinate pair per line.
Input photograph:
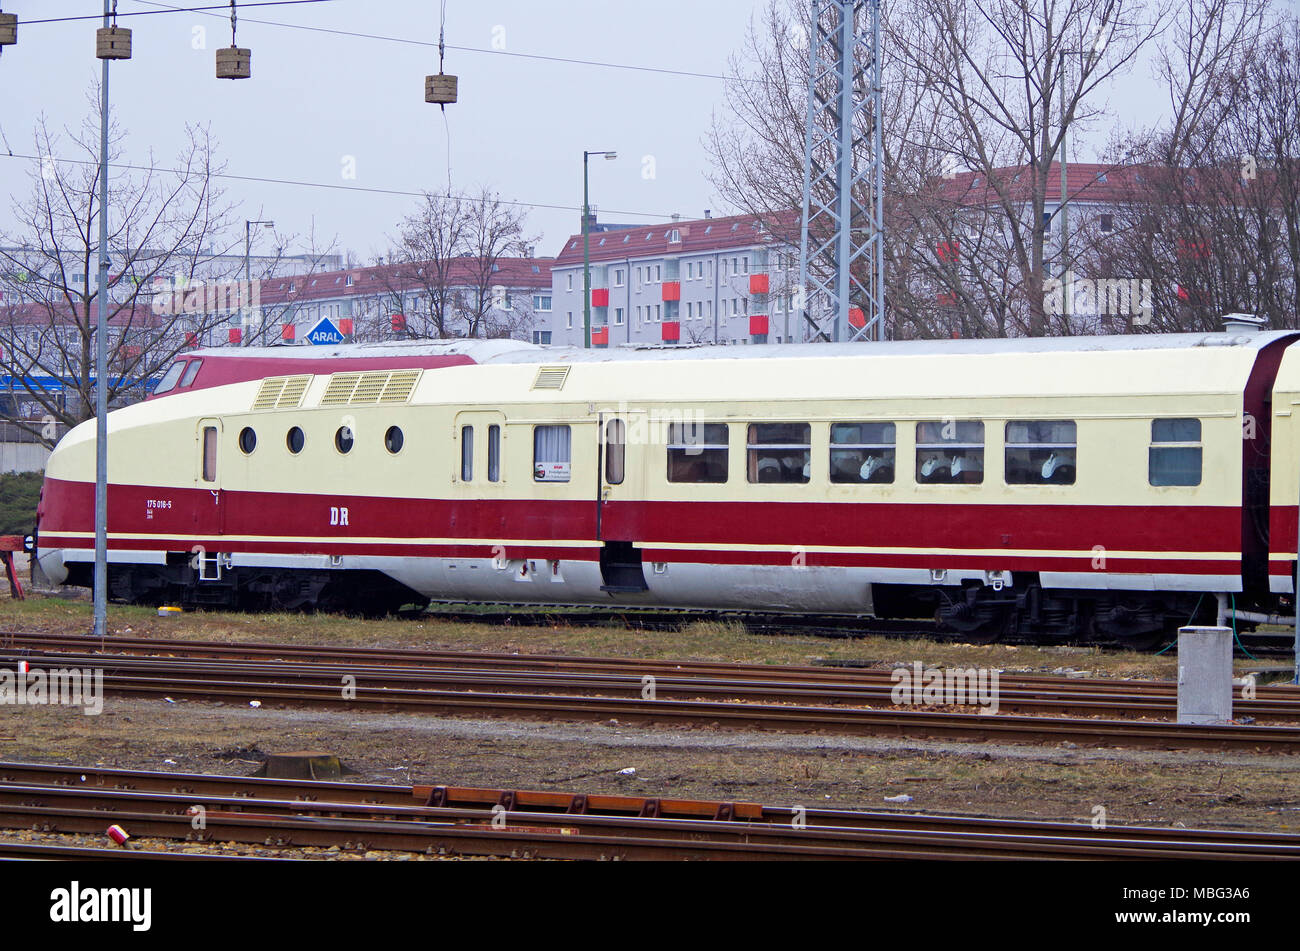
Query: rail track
x,y
448,820
855,701
828,625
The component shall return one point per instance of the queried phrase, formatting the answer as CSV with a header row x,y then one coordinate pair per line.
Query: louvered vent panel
x,y
294,389
281,392
339,390
269,392
551,378
375,386
400,385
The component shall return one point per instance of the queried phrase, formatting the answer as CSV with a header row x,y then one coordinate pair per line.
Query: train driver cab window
x,y
170,378
552,453
862,452
697,452
779,452
191,371
1175,454
1041,452
950,452
209,454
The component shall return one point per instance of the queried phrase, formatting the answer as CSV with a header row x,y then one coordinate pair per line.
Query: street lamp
x,y
586,247
248,240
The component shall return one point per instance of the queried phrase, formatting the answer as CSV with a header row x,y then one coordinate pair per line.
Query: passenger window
x,y
862,452
1175,454
209,454
950,452
170,378
552,453
779,452
494,453
697,452
191,371
467,453
1041,452
615,451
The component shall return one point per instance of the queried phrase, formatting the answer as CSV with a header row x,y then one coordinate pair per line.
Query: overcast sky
x,y
320,105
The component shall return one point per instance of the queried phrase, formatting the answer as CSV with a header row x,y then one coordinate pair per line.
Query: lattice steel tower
x,y
841,240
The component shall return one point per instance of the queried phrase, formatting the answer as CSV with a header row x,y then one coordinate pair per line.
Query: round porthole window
x,y
247,440
343,439
295,440
393,439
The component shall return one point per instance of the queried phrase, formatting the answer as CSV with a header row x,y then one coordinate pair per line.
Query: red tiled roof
x,y
512,273
698,235
1084,181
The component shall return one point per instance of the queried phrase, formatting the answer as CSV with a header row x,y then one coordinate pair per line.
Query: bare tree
x,y
160,224
1214,224
976,86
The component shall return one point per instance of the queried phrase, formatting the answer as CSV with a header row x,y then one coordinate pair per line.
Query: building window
x,y
950,451
659,312
618,316
568,324
1175,454
542,302
618,277
542,338
638,275
862,452
1041,452
697,452
674,236
570,285
638,315
659,273
1107,223
552,453
690,270
689,310
779,452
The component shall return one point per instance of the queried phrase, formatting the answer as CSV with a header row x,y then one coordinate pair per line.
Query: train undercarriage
x,y
1020,610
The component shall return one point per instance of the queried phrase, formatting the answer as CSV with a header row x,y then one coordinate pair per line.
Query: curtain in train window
x,y
862,452
615,451
467,453
209,454
552,453
950,451
494,453
1175,454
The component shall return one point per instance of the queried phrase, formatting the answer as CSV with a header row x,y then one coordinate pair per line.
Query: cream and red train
x,y
1086,487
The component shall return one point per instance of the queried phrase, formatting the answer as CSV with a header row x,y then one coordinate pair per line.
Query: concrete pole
x,y
586,258
101,372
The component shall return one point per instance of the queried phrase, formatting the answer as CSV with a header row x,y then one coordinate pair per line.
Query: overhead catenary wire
x,y
329,185
171,9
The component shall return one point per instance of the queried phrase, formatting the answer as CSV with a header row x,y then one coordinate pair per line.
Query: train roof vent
x,y
282,392
370,387
551,378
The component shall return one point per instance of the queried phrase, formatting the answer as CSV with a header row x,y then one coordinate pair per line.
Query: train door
x,y
620,507
208,508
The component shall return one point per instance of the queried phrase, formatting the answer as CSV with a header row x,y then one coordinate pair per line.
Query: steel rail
x,y
310,821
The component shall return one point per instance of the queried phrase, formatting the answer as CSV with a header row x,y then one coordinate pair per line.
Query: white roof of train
x,y
513,351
